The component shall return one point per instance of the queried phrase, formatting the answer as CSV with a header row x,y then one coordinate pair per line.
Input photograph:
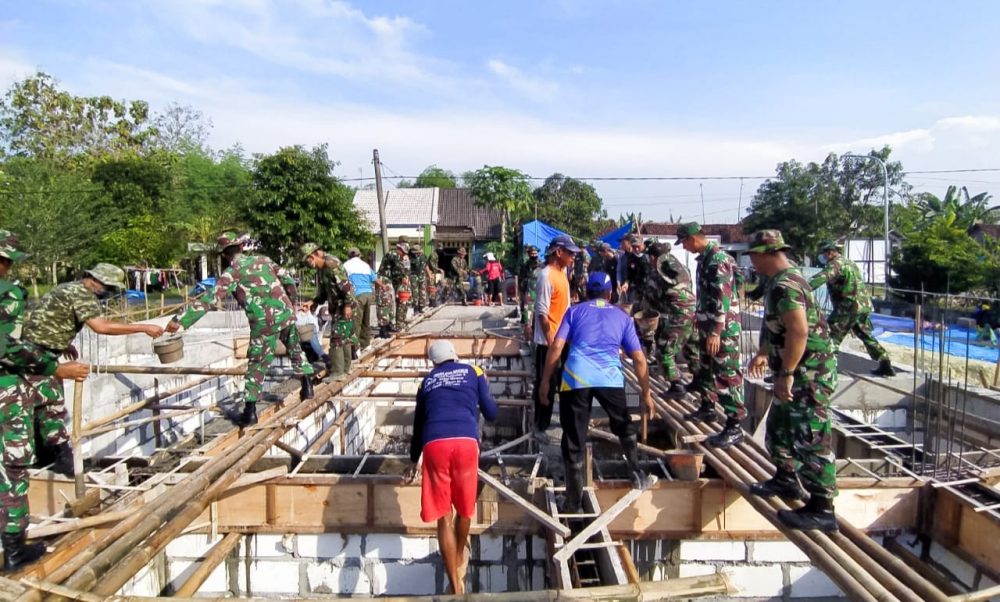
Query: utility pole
x,y
381,202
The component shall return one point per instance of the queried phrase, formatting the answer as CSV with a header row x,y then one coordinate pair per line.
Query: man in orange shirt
x,y
551,303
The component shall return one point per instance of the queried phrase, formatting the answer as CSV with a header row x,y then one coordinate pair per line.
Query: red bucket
x,y
403,296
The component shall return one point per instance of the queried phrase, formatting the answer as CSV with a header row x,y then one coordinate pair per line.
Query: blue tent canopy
x,y
539,234
614,238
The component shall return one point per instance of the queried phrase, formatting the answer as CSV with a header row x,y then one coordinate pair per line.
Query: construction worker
x,y
528,285
719,377
17,442
460,267
636,269
52,325
334,288
421,277
362,278
668,291
551,302
395,268
797,347
385,306
852,304
265,292
595,331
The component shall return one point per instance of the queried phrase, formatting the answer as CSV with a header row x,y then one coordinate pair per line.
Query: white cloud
x,y
534,88
13,68
965,131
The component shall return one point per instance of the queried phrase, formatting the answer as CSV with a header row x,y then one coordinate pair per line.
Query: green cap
x,y
8,246
229,238
828,245
685,231
108,275
767,241
308,249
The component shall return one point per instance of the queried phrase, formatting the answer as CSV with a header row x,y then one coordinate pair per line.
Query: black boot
x,y
816,514
635,474
884,368
249,415
63,463
573,500
306,392
706,413
728,436
782,484
677,387
17,553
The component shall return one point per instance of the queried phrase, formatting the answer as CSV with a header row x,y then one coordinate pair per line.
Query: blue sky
x,y
587,88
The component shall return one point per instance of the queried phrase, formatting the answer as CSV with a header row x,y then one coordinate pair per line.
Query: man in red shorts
x,y
446,431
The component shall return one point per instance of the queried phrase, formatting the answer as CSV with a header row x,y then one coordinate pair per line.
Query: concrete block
x,y
398,547
713,550
809,582
269,546
191,546
417,579
218,581
962,570
690,569
757,581
329,578
178,571
490,548
775,551
538,577
328,545
273,577
493,579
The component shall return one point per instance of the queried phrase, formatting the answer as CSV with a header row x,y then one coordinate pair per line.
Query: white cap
x,y
441,351
489,257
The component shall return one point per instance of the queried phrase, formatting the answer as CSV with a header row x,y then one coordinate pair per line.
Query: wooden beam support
x,y
214,557
534,511
599,523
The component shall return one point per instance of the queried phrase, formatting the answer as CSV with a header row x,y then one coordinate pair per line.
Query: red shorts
x,y
450,477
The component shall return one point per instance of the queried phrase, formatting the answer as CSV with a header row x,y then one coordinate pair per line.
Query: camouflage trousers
x,y
719,377
799,436
17,452
676,335
361,316
420,297
461,287
860,325
260,355
385,303
342,340
46,397
402,312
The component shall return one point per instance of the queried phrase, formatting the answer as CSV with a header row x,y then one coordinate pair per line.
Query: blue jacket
x,y
448,404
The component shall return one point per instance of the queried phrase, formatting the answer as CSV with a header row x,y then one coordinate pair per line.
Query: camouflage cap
x,y
418,249
308,249
828,245
531,249
403,246
767,241
462,251
354,252
229,238
633,239
402,240
685,231
108,275
8,246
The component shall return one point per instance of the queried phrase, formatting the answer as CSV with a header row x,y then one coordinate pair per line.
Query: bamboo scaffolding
x,y
214,557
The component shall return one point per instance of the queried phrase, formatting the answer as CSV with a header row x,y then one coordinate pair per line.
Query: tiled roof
x,y
991,229
403,206
457,208
728,233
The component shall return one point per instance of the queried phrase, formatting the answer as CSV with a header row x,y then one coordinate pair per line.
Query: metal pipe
x,y
234,371
885,204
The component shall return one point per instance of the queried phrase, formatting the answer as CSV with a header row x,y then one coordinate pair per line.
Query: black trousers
x,y
543,414
574,416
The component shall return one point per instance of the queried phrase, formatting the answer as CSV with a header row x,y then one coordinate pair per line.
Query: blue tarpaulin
x,y
614,238
539,234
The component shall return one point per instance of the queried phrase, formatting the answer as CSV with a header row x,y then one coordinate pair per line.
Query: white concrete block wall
x,y
810,582
713,550
766,581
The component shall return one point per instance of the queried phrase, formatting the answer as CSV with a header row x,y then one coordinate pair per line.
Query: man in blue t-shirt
x,y
595,331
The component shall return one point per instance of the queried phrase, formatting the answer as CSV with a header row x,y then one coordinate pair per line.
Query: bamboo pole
x,y
79,486
140,405
233,371
77,524
155,419
215,556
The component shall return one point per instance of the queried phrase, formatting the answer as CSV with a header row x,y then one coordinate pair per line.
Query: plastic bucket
x,y
626,307
305,332
403,296
685,465
169,350
646,321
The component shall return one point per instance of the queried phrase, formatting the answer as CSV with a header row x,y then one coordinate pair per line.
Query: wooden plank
x,y
599,523
252,478
532,510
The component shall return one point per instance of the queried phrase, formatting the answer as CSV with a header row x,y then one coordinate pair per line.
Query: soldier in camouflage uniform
x,y
719,376
421,277
17,444
527,274
265,291
798,426
461,279
668,292
334,288
385,306
52,326
852,304
396,269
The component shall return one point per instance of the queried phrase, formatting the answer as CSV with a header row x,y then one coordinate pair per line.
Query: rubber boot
x,y
677,387
17,553
729,436
249,415
573,500
63,463
383,331
816,514
631,453
884,368
783,484
306,392
706,413
336,366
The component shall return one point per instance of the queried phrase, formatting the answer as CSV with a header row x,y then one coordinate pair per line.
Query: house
x,y
410,212
461,223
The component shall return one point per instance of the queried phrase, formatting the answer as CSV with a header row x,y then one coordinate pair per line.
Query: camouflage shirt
x,y
333,287
60,316
668,289
525,273
258,284
418,267
716,309
788,291
11,307
17,357
461,267
847,288
395,269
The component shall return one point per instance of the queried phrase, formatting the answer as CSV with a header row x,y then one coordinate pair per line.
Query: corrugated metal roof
x,y
456,207
729,233
403,206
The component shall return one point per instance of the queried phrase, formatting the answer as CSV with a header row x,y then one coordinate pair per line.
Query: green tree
x,y
297,199
181,128
435,177
570,205
942,257
506,190
815,202
211,193
957,208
